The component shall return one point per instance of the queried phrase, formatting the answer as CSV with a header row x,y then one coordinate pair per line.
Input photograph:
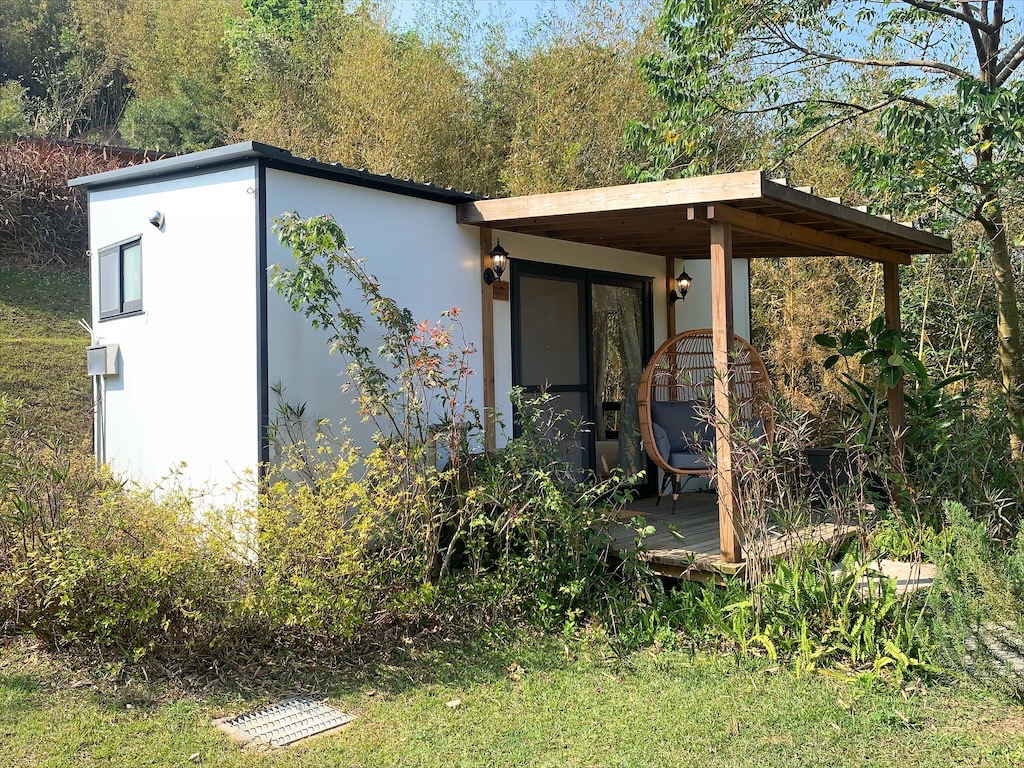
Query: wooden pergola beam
x,y
628,197
795,234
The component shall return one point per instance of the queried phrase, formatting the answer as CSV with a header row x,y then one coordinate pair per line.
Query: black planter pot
x,y
830,469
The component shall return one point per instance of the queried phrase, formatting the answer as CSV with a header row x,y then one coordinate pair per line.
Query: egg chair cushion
x,y
690,461
686,431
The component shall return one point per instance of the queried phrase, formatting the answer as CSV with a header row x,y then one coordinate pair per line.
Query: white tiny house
x,y
180,253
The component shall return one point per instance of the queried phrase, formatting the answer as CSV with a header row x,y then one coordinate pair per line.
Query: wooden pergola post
x,y
487,343
891,292
722,335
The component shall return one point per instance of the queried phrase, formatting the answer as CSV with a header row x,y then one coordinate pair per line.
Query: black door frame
x,y
587,278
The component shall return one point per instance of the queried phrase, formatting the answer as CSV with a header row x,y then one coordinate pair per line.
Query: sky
x,y
523,12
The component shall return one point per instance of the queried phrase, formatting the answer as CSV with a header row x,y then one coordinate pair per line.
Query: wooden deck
x,y
686,544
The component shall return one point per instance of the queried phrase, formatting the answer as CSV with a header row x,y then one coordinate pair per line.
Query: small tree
x,y
938,79
414,388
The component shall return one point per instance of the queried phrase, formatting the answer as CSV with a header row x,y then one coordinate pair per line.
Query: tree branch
x,y
932,6
834,124
984,56
912,100
860,108
1010,61
936,66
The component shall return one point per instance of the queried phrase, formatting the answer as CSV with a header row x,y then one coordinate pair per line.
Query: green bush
x,y
185,119
83,561
980,619
804,614
13,111
521,517
344,556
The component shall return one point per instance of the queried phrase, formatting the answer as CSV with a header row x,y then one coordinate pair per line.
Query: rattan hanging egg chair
x,y
677,392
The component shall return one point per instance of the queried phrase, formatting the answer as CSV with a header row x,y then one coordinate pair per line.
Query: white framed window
x,y
121,278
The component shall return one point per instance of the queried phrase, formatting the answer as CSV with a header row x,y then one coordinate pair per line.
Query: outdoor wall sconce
x,y
683,283
156,218
499,260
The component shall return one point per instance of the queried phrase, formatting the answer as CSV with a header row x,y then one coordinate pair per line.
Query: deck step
x,y
695,553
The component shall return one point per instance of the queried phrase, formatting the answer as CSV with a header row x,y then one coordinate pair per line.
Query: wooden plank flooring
x,y
686,544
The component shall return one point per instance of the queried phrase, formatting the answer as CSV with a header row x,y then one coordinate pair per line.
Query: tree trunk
x,y
1011,354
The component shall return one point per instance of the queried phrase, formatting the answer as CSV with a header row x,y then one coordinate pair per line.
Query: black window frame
x,y
124,308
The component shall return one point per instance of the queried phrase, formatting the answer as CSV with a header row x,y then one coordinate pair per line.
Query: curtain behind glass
x,y
631,457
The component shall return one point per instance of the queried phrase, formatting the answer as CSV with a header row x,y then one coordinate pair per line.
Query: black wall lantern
x,y
499,260
683,283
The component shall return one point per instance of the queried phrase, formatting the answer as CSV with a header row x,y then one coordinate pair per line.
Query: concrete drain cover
x,y
284,723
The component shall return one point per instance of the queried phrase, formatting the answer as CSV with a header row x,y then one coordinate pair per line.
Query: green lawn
x,y
42,347
575,709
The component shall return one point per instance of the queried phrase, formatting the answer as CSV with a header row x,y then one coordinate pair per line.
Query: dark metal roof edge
x,y
168,166
928,241
280,158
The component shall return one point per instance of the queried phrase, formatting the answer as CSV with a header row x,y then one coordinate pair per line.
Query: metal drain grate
x,y
285,722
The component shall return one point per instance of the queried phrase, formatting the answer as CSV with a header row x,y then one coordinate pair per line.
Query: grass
x,y
42,347
557,706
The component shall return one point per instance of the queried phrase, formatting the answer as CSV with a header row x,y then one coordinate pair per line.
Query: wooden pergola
x,y
736,215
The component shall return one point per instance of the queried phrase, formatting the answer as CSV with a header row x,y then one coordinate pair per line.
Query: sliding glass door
x,y
551,319
584,336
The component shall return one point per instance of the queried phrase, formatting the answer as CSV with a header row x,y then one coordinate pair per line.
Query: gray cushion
x,y
661,441
684,460
683,427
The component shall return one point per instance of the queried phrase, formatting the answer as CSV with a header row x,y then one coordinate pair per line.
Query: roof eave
x,y
253,150
928,242
171,165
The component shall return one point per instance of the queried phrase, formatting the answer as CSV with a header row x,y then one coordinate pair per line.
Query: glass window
x,y
551,333
110,279
131,277
121,279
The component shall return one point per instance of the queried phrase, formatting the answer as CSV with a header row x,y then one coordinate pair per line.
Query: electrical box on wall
x,y
103,360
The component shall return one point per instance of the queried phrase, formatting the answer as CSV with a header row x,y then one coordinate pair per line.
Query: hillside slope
x,y
42,348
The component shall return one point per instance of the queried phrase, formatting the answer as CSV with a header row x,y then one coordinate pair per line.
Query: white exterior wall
x,y
187,389
694,312
422,257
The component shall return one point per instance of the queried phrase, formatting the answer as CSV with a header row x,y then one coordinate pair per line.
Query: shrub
x,y
13,111
344,557
346,548
822,617
43,222
185,119
804,613
83,561
521,516
981,613
952,434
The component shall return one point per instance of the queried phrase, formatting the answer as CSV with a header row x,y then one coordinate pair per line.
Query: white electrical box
x,y
103,360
